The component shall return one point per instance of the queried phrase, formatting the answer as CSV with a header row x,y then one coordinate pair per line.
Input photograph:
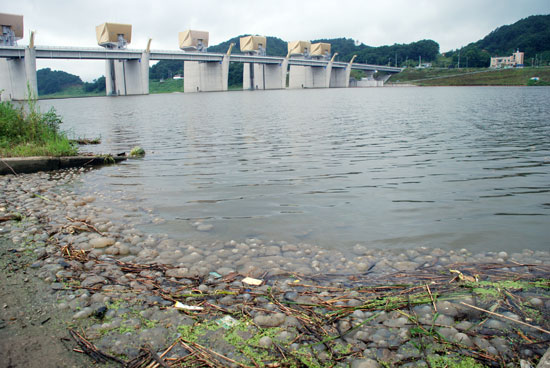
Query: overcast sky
x,y
451,23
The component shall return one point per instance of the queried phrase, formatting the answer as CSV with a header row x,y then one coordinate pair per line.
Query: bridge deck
x,y
46,52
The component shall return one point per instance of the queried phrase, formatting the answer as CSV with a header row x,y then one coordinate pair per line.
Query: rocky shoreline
x,y
133,297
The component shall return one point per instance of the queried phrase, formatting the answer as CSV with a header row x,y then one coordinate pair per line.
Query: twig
x,y
85,223
9,167
91,350
158,360
431,297
204,349
508,318
9,218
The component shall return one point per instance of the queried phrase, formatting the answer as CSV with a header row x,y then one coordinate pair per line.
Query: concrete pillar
x,y
127,77
206,76
110,87
225,71
145,72
18,77
310,76
348,71
191,77
348,76
338,78
250,80
262,76
300,77
328,73
284,70
319,76
30,70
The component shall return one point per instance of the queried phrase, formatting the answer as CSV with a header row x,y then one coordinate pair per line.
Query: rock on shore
x,y
359,308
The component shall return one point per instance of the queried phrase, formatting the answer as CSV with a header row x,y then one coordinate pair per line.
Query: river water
x,y
458,167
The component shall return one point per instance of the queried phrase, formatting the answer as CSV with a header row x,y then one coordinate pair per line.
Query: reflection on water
x,y
446,167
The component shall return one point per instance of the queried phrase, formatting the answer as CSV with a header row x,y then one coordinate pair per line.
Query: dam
x,y
127,70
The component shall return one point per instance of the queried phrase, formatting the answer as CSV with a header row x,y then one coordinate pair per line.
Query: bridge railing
x,y
97,53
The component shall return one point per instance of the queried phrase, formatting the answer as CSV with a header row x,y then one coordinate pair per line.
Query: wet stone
x,y
101,242
91,281
463,339
405,266
265,342
273,320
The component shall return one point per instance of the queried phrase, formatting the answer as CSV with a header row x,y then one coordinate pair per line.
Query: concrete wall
x,y
127,77
318,77
17,76
205,76
369,83
300,77
338,78
310,76
262,76
12,72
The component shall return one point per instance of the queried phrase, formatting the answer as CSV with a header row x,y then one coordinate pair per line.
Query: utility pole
x,y
396,58
458,59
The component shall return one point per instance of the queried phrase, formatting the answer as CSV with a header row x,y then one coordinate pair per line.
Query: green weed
x,y
25,131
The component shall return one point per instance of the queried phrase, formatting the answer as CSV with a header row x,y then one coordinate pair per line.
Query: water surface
x,y
387,167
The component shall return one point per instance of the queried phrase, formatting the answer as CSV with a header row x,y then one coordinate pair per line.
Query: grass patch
x,y
166,86
439,361
72,91
473,77
25,131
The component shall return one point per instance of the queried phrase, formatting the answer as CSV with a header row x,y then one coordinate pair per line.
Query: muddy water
x,y
387,167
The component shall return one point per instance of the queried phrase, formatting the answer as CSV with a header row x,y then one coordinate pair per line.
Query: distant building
x,y
514,61
424,66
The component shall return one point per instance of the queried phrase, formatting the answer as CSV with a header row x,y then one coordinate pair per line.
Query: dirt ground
x,y
32,330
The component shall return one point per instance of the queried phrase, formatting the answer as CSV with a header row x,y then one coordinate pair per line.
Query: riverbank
x,y
472,77
249,303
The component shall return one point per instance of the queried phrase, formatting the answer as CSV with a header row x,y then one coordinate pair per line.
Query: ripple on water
x,y
440,167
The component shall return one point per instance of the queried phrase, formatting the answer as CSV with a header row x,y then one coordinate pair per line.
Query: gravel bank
x,y
312,307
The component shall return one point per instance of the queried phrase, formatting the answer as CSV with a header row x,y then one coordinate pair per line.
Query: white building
x,y
515,60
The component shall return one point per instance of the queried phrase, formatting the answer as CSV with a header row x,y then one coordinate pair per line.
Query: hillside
x,y
57,83
52,81
473,77
530,35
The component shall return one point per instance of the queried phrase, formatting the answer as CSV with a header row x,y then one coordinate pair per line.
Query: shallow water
x,y
387,167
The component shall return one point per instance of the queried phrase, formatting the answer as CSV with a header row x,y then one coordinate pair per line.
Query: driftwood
x,y
10,218
89,349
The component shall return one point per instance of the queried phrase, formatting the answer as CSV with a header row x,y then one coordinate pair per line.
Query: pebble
x,y
84,313
265,342
144,317
93,280
365,363
101,242
537,302
273,320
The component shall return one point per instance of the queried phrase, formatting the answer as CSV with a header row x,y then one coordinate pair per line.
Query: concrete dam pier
x,y
127,71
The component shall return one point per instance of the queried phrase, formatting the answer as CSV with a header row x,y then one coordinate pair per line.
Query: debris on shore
x,y
142,300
